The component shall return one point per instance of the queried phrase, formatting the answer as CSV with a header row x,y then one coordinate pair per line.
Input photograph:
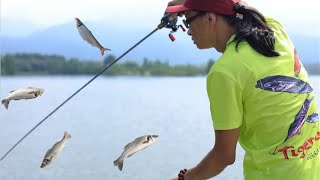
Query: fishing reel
x,y
171,25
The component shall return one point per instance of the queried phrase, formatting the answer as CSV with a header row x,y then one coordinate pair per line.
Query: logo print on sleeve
x,y
297,64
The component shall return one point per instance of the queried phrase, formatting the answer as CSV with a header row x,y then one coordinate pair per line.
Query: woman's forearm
x,y
211,165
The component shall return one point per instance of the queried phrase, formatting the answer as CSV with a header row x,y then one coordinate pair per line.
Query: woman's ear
x,y
211,18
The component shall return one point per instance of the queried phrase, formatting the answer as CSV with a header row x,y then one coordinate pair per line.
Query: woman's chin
x,y
201,47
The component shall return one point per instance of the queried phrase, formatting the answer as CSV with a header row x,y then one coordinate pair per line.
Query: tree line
x,y
38,64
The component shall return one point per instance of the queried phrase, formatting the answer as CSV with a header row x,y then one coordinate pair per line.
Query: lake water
x,y
102,119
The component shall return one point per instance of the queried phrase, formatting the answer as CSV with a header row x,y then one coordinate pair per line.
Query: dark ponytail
x,y
251,26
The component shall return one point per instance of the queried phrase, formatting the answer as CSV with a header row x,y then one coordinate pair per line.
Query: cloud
x,y
300,18
48,13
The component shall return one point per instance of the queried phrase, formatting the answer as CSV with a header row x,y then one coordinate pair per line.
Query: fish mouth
x,y
40,92
78,22
45,163
155,136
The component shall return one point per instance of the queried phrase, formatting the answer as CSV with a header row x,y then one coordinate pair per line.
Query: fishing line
x,y
98,74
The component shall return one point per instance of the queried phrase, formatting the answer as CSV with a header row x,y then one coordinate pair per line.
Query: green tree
x,y
8,65
209,65
73,66
108,59
36,64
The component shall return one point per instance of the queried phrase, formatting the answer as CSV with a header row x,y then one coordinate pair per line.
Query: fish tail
x,y
5,103
119,162
104,49
67,135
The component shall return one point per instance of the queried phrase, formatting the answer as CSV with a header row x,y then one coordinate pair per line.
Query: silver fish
x,y
86,35
137,145
53,152
22,93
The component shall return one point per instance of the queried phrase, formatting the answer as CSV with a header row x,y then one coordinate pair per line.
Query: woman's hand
x,y
174,3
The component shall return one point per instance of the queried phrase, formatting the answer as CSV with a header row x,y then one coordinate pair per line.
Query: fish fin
x,y
131,155
11,91
49,150
127,146
119,162
136,152
145,142
54,145
104,49
31,92
102,52
34,93
5,103
66,135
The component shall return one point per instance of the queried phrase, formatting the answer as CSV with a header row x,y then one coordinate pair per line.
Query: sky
x,y
22,17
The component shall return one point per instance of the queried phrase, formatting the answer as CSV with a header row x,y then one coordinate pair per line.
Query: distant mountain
x,y
12,28
65,40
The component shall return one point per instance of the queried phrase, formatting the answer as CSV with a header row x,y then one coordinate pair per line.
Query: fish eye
x,y
148,138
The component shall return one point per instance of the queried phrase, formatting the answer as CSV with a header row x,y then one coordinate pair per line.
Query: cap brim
x,y
176,9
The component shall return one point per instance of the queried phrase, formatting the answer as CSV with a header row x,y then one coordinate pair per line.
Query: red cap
x,y
216,6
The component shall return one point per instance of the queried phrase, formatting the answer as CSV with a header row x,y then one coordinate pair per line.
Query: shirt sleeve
x,y
225,97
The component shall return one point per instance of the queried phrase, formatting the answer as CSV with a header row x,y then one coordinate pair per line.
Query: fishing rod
x,y
164,23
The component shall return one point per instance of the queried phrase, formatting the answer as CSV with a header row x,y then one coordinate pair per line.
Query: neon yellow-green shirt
x,y
272,101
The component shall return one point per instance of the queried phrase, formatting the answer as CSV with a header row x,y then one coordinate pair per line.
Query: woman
x,y
259,94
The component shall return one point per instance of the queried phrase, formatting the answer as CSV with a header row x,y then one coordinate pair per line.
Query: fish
x,y
299,120
313,118
287,84
86,35
135,146
53,152
22,93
